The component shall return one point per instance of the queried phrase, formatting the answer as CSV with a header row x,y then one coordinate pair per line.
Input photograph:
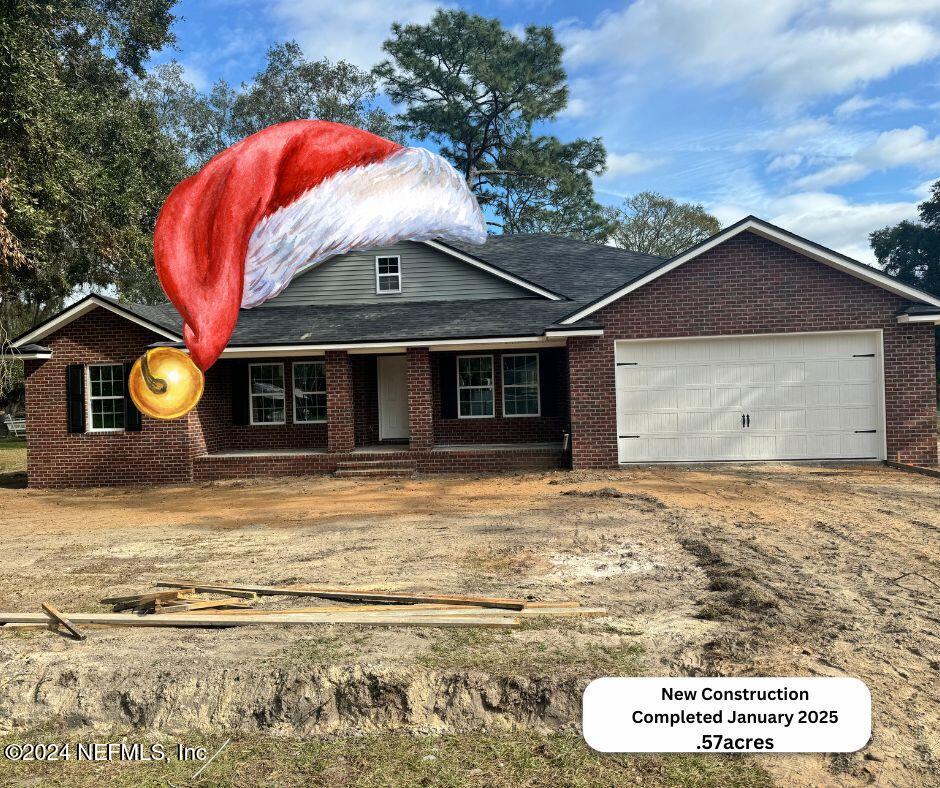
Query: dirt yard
x,y
732,570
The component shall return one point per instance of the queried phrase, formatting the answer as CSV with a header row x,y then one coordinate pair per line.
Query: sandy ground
x,y
730,570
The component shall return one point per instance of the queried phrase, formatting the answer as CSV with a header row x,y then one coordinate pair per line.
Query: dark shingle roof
x,y
291,325
576,270
579,270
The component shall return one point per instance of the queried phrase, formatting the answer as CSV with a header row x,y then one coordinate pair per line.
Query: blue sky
x,y
818,115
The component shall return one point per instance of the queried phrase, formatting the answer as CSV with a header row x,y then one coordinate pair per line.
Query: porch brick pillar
x,y
340,435
420,400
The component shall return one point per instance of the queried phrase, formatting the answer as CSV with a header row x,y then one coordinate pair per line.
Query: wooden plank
x,y
145,600
217,620
218,590
203,604
348,595
443,610
54,613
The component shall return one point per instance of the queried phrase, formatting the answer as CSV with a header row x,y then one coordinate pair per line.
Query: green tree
x,y
911,250
290,87
84,163
652,223
478,92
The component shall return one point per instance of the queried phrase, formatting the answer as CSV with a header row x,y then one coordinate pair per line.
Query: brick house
x,y
530,351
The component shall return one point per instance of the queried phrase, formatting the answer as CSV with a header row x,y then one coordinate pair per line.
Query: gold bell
x,y
165,383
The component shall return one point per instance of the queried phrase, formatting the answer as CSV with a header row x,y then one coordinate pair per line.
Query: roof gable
x,y
150,317
777,235
428,273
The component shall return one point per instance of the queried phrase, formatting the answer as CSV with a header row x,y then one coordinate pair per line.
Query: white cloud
x,y
789,161
620,165
895,148
854,105
352,30
836,222
833,176
786,50
828,219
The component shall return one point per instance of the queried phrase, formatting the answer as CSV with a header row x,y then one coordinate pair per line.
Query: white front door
x,y
778,397
393,397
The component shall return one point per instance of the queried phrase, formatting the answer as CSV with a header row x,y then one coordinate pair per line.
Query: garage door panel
x,y
806,396
691,398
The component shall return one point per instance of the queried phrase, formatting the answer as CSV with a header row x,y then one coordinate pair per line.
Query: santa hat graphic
x,y
284,200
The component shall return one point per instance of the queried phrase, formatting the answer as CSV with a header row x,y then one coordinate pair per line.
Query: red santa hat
x,y
285,199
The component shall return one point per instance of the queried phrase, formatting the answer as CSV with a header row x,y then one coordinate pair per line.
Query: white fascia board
x,y
492,270
935,319
25,356
771,233
584,332
83,307
257,351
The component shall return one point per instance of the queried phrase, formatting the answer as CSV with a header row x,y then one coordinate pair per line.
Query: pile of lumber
x,y
231,605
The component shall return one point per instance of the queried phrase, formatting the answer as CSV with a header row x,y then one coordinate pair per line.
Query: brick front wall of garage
x,y
749,285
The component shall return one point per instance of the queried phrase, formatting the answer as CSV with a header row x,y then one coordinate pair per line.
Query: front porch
x,y
483,409
380,460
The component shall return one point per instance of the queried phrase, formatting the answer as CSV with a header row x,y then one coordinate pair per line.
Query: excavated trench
x,y
326,700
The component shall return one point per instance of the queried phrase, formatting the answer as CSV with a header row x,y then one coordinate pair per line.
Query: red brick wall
x,y
159,453
439,461
365,399
420,400
339,401
749,285
214,413
499,429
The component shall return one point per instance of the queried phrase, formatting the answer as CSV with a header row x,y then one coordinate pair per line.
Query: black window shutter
x,y
552,381
132,420
240,398
448,383
75,397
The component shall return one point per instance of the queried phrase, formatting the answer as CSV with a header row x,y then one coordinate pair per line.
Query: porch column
x,y
420,400
340,435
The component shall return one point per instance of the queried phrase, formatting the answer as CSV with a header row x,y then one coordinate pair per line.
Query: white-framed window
x,y
388,274
105,397
309,378
521,385
475,387
266,387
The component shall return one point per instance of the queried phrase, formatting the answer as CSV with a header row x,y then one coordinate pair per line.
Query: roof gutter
x,y
935,319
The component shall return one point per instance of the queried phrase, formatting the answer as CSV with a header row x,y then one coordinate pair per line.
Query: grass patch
x,y
326,649
476,760
12,455
736,588
510,652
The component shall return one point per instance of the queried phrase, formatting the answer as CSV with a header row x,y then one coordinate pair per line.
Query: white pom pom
x,y
413,195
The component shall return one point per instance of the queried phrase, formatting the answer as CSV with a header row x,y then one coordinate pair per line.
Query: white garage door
x,y
781,397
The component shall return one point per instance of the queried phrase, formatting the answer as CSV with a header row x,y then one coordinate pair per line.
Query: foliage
x,y
85,165
652,223
290,87
911,250
478,91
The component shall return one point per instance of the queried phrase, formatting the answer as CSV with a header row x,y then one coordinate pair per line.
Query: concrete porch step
x,y
369,464
367,468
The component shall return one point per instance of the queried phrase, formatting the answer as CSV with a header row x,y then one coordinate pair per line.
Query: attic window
x,y
387,275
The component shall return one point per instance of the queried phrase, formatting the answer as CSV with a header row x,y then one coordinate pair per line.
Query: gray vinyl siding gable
x,y
426,275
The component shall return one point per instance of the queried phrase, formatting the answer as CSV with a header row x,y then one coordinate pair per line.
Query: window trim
x,y
252,395
538,385
90,423
378,276
491,387
293,378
